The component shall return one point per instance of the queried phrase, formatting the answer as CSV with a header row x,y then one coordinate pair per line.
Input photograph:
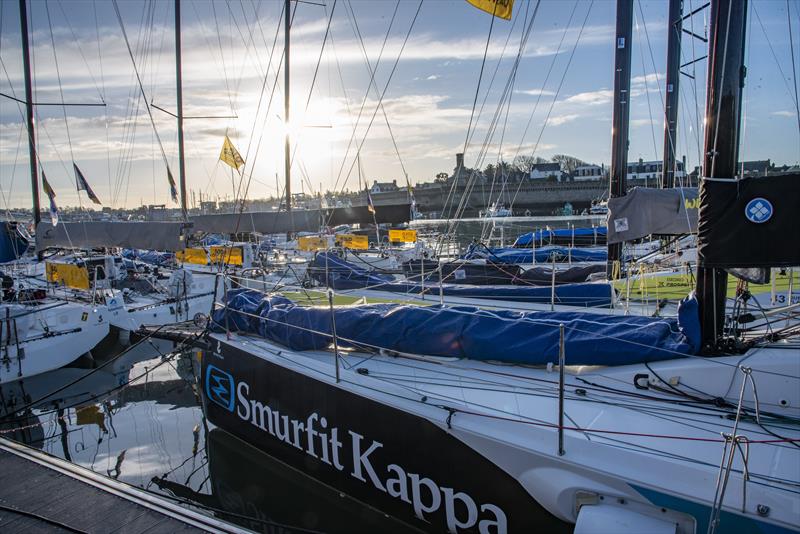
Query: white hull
x,y
72,331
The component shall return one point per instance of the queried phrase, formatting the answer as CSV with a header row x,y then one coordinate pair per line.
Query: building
x,y
589,172
652,170
755,168
546,170
383,187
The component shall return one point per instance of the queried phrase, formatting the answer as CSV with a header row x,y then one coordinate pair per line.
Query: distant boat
x,y
496,210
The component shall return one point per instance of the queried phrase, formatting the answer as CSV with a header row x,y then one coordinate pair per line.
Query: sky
x,y
440,70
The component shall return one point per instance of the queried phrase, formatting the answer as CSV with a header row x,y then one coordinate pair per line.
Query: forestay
x,y
465,332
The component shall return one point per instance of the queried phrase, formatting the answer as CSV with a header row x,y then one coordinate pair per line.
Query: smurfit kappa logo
x,y
219,387
759,210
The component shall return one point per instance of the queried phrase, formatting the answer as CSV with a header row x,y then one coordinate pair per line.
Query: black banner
x,y
750,222
402,464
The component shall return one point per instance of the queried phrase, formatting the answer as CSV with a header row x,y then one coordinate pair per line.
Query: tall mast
x,y
26,63
726,72
674,30
287,163
618,185
179,111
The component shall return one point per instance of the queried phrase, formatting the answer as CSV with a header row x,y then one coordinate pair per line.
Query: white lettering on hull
x,y
318,441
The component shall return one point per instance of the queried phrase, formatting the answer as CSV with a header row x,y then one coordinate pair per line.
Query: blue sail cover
x,y
464,331
331,270
540,254
564,235
12,244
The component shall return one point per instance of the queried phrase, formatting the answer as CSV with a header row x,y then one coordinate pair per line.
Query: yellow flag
x,y
230,155
498,8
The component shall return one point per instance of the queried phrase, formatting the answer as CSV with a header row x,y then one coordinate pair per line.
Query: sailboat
x,y
39,333
465,420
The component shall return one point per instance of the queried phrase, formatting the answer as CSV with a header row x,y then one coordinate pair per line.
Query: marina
x,y
531,342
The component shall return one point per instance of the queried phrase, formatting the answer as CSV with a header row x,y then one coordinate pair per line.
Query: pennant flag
x,y
230,155
173,191
83,185
370,205
52,196
498,8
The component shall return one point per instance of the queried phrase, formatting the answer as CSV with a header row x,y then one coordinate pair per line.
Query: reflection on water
x,y
138,418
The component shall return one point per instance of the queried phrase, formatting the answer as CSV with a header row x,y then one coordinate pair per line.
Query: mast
x,y
726,72
179,111
287,163
618,185
671,104
26,63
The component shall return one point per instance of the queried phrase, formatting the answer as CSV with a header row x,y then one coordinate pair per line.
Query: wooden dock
x,y
42,493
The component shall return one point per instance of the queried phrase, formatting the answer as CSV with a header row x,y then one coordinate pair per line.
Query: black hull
x,y
399,463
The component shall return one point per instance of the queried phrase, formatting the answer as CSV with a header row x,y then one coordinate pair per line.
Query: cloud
x,y
432,77
534,92
591,98
784,113
558,120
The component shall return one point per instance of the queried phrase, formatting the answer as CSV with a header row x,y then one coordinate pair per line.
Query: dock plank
x,y
62,496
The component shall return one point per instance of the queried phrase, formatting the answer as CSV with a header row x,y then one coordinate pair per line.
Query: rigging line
x,y
141,87
80,50
558,91
647,90
221,51
385,88
789,91
506,94
349,12
471,117
794,67
311,89
58,76
374,87
103,95
251,167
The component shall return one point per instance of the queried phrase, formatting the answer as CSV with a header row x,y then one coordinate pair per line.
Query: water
x,y
137,417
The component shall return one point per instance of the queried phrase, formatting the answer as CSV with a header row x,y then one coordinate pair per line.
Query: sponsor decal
x,y
353,453
219,387
759,210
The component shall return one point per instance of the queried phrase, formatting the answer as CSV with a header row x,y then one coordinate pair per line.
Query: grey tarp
x,y
107,234
276,222
265,222
646,210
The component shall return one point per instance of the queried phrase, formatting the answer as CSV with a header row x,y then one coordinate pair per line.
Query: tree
x,y
441,178
525,163
568,163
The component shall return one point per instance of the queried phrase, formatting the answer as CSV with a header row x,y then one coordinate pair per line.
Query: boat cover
x,y
12,243
564,236
541,254
649,210
464,331
331,270
111,234
543,276
275,222
462,272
